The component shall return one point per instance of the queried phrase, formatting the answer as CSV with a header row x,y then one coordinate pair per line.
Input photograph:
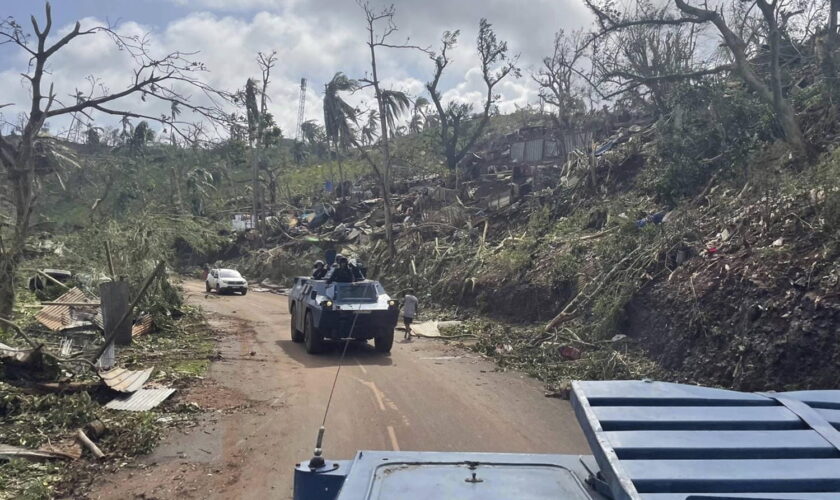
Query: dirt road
x,y
265,399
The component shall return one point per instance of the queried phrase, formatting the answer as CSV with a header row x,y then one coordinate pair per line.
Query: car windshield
x,y
355,292
229,273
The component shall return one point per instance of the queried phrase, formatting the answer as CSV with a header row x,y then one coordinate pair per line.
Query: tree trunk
x,y
340,172
8,270
769,93
176,187
255,187
785,113
385,177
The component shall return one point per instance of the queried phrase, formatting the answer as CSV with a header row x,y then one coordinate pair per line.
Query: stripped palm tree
x,y
420,120
420,105
368,130
395,103
199,183
415,126
338,116
311,132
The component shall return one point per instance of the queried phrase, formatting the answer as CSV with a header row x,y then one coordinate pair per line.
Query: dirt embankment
x,y
744,322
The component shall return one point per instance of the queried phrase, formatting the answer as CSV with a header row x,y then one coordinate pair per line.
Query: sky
x,y
313,39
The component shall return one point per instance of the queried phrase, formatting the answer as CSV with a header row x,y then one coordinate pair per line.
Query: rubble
x,y
70,311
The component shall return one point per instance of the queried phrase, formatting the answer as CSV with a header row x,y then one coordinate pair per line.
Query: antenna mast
x,y
301,108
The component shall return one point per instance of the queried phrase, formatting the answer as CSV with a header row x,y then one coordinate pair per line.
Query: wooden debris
x,y
12,452
143,325
90,445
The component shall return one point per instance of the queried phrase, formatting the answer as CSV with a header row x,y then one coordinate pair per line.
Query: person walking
x,y
410,304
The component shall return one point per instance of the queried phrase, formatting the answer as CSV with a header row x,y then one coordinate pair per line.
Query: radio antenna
x,y
317,460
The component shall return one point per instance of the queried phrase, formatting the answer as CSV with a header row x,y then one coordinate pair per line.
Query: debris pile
x,y
60,403
543,226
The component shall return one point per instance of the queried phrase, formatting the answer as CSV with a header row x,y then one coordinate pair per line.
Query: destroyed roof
x,y
56,317
123,380
142,326
142,400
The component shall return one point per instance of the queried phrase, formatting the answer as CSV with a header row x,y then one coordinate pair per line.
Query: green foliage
x,y
710,128
29,421
26,480
142,135
565,267
132,433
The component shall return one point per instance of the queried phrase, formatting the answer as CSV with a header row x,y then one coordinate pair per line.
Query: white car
x,y
226,280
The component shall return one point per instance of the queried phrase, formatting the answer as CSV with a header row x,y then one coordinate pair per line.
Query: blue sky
x,y
314,39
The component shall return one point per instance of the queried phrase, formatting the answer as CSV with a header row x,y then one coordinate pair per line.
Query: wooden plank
x,y
700,418
682,445
719,476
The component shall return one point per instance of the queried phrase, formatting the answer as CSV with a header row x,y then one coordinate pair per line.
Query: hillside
x,y
725,276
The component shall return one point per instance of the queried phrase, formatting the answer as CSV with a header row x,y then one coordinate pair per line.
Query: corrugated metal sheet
x,y
655,440
534,150
58,317
551,149
517,151
124,380
143,326
142,400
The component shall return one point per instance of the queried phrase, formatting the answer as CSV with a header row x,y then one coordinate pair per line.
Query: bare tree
x,y
379,38
561,75
457,129
769,88
259,121
22,154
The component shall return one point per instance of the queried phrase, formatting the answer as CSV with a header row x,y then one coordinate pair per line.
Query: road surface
x,y
265,399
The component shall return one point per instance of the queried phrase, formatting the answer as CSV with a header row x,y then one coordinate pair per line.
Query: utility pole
x,y
301,109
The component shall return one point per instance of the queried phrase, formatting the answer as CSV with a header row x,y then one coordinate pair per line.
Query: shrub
x,y
711,128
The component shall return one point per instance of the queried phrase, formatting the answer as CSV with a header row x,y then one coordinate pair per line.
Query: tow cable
x,y
317,460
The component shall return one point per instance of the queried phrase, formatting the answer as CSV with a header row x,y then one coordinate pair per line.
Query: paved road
x,y
269,397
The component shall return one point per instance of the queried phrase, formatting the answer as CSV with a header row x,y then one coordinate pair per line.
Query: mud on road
x,y
264,398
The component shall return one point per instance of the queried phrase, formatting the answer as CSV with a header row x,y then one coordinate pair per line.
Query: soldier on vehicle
x,y
319,271
359,270
342,273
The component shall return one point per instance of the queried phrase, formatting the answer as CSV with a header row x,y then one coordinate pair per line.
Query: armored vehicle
x,y
649,441
324,311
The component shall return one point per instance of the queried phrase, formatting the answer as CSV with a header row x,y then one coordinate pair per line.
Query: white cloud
x,y
312,40
234,5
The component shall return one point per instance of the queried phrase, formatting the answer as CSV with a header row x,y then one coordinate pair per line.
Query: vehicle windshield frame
x,y
372,294
229,274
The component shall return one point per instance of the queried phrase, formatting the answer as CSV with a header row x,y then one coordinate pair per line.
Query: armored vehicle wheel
x,y
384,341
311,337
297,335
